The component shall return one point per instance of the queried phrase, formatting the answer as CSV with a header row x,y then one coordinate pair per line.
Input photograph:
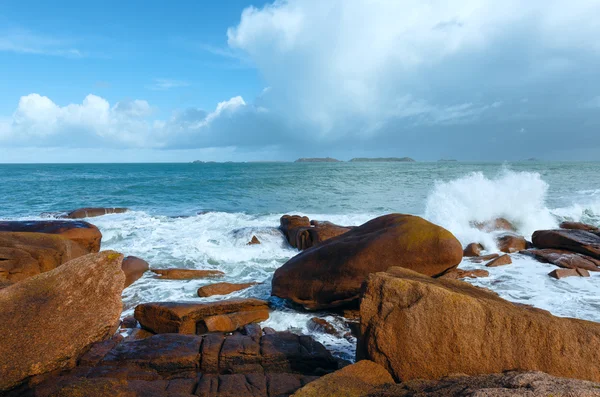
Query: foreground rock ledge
x,y
331,274
418,327
47,321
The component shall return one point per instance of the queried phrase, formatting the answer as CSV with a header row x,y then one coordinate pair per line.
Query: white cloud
x,y
167,84
26,42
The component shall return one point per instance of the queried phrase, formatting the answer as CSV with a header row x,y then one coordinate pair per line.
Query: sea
x,y
202,215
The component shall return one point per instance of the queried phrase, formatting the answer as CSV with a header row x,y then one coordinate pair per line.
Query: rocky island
x,y
382,160
317,160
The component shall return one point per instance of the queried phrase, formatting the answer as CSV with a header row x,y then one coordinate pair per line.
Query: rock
x,y
418,327
500,261
579,226
330,275
231,322
494,225
291,224
94,211
222,289
352,381
138,334
456,274
129,322
49,320
580,241
192,318
510,243
23,254
562,273
83,233
302,233
186,274
134,268
473,249
479,259
254,241
321,325
509,384
565,259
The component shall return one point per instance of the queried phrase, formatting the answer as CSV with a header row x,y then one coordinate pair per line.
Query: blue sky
x,y
247,80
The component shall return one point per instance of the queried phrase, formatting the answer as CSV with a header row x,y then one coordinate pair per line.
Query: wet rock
x,y
562,273
500,261
192,318
254,241
134,268
423,328
138,334
565,259
579,226
94,211
330,275
473,249
186,274
580,241
291,224
48,321
321,325
129,322
457,274
352,381
479,259
494,225
83,233
510,243
23,255
222,289
302,233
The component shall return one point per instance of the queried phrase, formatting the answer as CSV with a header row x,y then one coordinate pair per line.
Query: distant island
x,y
447,160
382,160
317,160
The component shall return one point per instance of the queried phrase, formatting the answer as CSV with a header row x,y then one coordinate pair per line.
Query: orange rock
x,y
578,226
423,328
494,225
254,241
185,274
231,322
28,254
317,324
510,243
290,225
473,249
331,274
500,261
222,289
566,259
562,273
456,274
94,211
479,259
134,268
580,241
188,318
49,320
302,233
83,233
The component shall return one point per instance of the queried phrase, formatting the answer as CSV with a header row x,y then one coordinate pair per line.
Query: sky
x,y
242,80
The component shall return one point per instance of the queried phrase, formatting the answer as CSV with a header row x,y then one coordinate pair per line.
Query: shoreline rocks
x,y
134,268
80,232
303,233
90,212
565,259
330,275
186,274
222,288
500,261
49,320
579,241
419,327
473,249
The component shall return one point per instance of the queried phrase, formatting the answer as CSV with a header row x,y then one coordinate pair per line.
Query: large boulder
x,y
302,233
291,224
200,318
186,274
134,268
510,243
419,327
83,233
566,259
49,320
23,255
90,212
330,275
574,240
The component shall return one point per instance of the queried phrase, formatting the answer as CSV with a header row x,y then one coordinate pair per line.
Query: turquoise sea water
x,y
202,215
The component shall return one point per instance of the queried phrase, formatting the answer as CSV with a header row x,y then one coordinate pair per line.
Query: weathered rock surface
x,y
173,365
494,225
419,327
200,318
352,381
330,275
500,261
562,273
303,234
579,226
317,324
254,241
563,258
83,233
483,258
186,274
222,289
23,255
580,241
94,211
509,384
134,268
457,274
473,249
510,243
47,321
